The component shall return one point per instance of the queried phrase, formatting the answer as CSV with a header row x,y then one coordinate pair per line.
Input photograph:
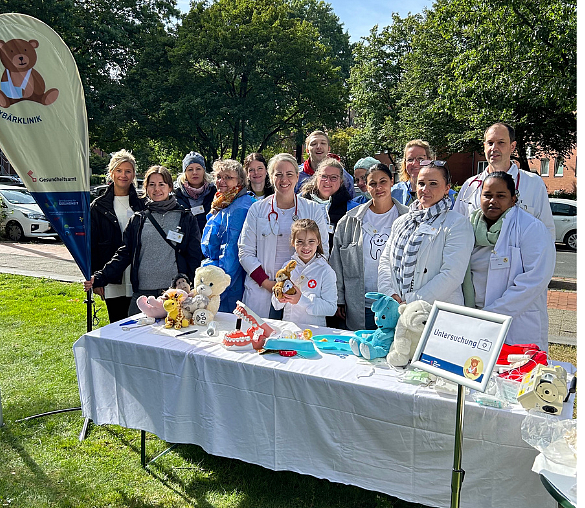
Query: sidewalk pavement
x,y
52,260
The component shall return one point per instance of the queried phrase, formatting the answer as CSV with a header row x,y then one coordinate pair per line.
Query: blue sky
x,y
359,20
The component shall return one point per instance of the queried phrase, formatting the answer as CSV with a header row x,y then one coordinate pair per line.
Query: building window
x,y
559,166
544,167
481,166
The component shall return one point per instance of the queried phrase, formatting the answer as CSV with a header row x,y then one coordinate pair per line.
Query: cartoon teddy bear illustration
x,y
20,81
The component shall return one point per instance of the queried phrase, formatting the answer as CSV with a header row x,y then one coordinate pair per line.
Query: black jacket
x,y
106,236
183,200
188,256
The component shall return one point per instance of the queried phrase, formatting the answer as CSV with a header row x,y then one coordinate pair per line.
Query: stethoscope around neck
x,y
295,216
479,182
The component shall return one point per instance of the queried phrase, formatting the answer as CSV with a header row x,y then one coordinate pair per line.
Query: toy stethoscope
x,y
479,182
295,216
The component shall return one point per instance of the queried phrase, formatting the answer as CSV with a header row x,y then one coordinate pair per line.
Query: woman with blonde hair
x,y
415,152
219,240
158,242
264,243
110,214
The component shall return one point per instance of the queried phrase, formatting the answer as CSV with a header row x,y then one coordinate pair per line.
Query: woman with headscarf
x,y
219,240
158,242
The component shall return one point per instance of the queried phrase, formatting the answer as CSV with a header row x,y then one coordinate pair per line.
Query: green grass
x,y
42,463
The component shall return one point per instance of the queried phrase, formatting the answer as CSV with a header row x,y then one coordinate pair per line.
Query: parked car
x,y
565,216
20,216
10,180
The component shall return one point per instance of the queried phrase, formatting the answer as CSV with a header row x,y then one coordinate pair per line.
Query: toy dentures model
x,y
256,334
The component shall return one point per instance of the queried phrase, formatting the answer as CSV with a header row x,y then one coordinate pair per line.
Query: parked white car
x,y
565,216
20,216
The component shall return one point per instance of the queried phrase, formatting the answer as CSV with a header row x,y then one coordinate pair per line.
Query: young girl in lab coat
x,y
314,280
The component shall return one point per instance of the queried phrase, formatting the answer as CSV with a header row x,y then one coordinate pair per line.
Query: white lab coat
x,y
441,263
257,246
318,285
533,196
521,265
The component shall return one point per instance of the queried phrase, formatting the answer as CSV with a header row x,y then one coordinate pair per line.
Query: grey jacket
x,y
347,260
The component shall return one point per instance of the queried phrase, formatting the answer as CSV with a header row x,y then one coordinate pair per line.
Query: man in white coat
x,y
499,143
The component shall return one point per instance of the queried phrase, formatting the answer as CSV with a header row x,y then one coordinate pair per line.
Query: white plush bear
x,y
210,282
411,323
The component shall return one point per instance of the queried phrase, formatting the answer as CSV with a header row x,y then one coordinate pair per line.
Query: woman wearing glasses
x,y
264,244
415,152
219,240
429,248
326,189
358,243
512,262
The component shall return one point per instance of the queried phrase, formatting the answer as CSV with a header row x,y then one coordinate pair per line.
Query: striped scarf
x,y
405,247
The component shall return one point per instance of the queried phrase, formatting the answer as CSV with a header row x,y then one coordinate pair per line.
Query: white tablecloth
x,y
331,417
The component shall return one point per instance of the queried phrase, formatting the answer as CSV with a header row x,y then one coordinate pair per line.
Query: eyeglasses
x,y
225,178
439,164
331,178
412,160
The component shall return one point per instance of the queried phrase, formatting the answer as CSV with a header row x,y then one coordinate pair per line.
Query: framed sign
x,y
461,344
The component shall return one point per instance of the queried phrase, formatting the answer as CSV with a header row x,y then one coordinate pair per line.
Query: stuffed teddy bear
x,y
20,81
210,282
411,323
153,306
283,283
376,344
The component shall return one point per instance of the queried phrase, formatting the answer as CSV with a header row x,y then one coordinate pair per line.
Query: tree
x,y
477,62
239,74
378,70
106,39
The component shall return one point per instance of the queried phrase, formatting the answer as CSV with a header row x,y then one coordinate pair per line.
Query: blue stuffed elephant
x,y
375,344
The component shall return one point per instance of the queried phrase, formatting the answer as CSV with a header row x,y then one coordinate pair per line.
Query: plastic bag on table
x,y
555,439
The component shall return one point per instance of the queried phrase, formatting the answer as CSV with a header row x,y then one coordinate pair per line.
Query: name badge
x,y
330,228
499,262
369,229
196,210
425,229
175,236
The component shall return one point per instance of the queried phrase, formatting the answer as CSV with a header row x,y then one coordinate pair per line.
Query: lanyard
x,y
479,182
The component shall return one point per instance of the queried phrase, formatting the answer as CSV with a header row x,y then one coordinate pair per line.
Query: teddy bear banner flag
x,y
43,127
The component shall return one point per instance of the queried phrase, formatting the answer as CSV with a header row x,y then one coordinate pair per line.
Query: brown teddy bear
x,y
283,283
20,82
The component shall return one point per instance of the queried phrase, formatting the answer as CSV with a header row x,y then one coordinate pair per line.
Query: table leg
x,y
143,448
458,473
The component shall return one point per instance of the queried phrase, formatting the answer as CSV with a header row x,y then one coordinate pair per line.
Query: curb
x,y
563,284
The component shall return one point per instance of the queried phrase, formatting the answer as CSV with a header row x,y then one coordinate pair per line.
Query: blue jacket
x,y
219,243
401,193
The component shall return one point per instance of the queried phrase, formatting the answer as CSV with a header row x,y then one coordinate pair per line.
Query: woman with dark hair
x,y
326,188
158,243
194,187
110,214
359,239
257,173
512,262
219,240
429,247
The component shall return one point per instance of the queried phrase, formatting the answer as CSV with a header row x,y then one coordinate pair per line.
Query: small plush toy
x,y
210,282
175,317
411,323
376,344
284,286
153,306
